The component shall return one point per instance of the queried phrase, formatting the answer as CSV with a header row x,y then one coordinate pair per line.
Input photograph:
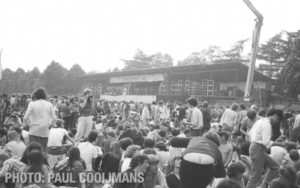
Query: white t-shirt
x,y
88,152
126,164
278,153
56,136
25,135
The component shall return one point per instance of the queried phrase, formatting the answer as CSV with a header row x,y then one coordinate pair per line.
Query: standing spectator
x,y
196,120
7,107
39,117
74,110
2,109
66,114
85,121
146,114
153,107
248,122
206,117
242,113
297,121
260,137
229,118
160,112
181,112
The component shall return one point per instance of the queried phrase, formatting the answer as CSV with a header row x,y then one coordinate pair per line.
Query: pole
x,y
251,68
255,42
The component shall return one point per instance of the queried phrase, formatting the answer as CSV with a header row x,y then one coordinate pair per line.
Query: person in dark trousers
x,y
260,137
196,119
206,117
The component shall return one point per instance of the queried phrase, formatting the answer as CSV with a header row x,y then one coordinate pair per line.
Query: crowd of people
x,y
173,145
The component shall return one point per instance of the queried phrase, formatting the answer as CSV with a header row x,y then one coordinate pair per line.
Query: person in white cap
x,y
85,120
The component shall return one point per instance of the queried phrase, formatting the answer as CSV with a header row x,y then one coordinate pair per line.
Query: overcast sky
x,y
98,33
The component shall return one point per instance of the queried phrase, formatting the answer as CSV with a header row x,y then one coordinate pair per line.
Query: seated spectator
x,y
3,137
287,178
228,184
162,153
129,153
111,160
138,164
226,148
76,165
291,158
149,151
110,139
15,147
278,153
89,152
125,142
235,172
173,177
154,176
36,166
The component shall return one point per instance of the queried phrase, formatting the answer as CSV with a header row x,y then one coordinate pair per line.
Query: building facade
x,y
220,83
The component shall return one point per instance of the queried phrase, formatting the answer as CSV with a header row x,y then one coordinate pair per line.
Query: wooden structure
x,y
222,82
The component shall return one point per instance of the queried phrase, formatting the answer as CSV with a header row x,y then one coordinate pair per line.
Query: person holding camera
x,y
85,120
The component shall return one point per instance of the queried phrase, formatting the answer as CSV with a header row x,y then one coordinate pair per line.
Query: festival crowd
x,y
172,145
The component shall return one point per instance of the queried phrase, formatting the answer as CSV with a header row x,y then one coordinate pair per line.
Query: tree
x,y
161,60
235,52
194,58
273,53
289,77
212,54
54,78
7,82
116,69
33,77
20,80
144,61
76,71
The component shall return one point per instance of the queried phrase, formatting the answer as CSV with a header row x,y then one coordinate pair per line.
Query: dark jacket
x,y
206,118
201,145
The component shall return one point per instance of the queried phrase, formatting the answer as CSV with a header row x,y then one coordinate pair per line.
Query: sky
x,y
97,34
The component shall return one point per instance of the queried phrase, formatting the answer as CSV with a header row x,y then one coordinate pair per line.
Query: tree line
x,y
280,52
57,79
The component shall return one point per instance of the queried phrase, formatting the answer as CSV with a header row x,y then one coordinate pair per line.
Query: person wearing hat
x,y
85,120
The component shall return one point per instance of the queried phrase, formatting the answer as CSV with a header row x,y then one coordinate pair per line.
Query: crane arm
x,y
255,42
254,10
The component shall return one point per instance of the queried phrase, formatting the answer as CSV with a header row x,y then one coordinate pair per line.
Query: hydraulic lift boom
x,y
255,42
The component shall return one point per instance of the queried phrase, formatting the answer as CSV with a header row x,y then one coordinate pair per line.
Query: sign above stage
x,y
137,78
